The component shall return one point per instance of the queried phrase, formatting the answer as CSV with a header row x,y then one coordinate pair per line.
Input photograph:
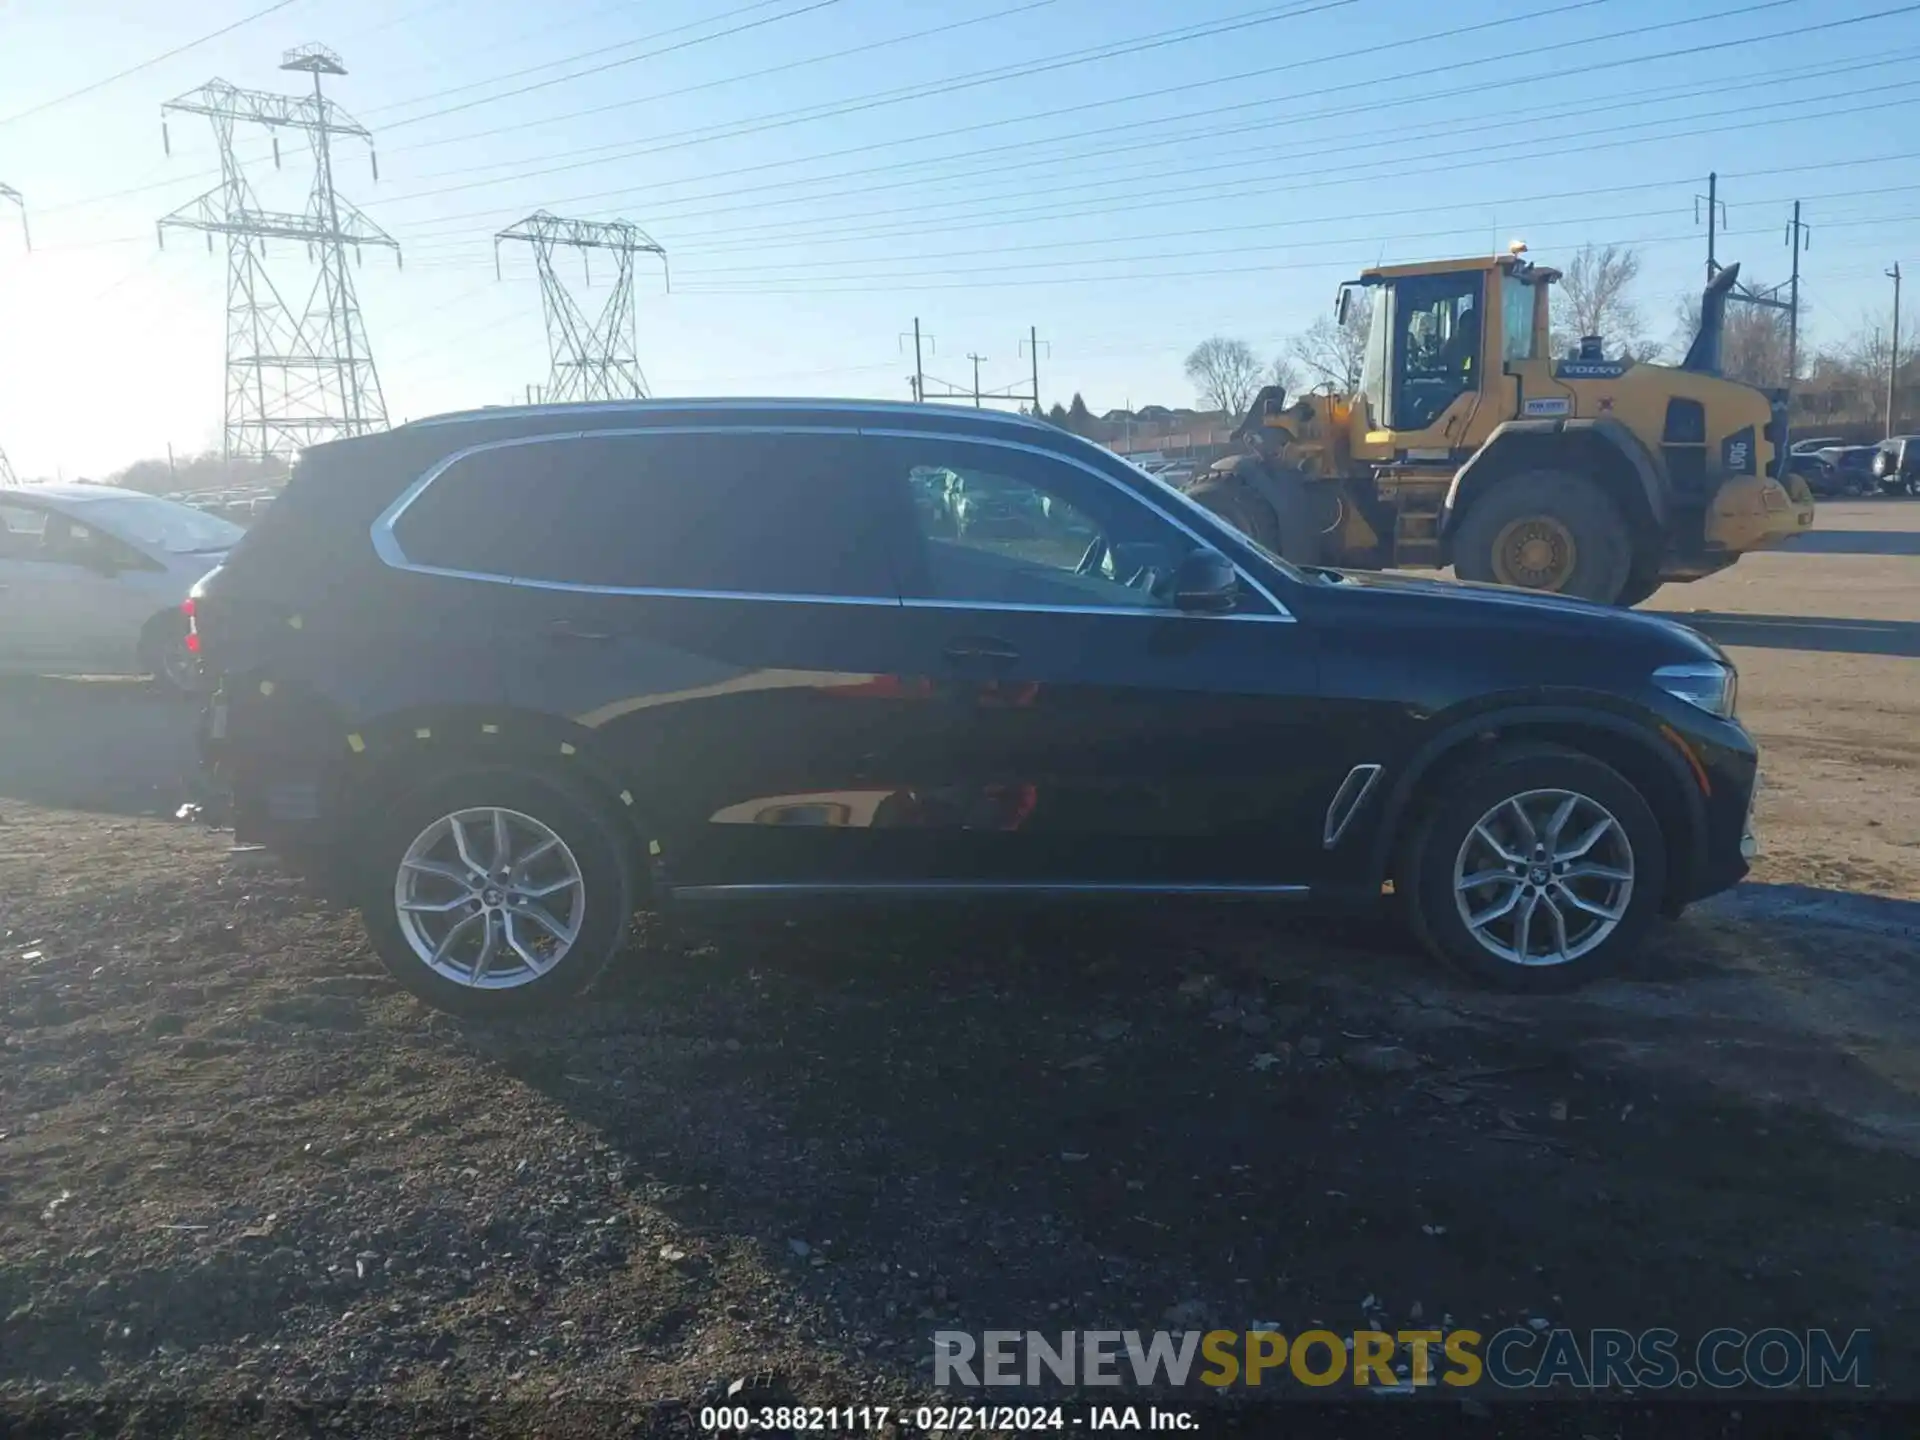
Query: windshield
x,y
163,525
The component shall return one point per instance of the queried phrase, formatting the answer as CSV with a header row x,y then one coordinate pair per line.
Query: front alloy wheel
x,y
1543,877
489,898
1539,867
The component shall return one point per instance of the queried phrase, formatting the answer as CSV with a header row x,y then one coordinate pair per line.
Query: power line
x,y
807,113
782,119
1474,157
1373,84
599,52
147,64
611,65
790,65
1239,162
401,104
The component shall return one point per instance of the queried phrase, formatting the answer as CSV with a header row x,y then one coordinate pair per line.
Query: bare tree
x,y
1284,373
1332,353
1852,373
1595,297
1225,373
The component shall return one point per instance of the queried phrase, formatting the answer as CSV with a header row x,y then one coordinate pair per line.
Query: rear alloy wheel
x,y
1547,530
498,894
1540,871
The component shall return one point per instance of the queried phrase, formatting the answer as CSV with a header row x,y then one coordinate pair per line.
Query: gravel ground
x,y
235,1161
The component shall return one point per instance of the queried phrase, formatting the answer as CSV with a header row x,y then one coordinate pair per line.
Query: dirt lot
x,y
234,1160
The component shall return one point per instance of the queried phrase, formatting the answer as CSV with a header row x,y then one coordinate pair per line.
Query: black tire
x,y
1641,585
1436,844
165,657
1235,502
596,838
1602,542
1283,514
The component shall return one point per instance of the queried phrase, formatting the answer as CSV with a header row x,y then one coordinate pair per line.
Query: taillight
x,y
188,609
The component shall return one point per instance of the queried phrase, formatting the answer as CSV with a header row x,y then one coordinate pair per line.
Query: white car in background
x,y
92,578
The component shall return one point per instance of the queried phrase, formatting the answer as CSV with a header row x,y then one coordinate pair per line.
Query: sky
x,y
1123,177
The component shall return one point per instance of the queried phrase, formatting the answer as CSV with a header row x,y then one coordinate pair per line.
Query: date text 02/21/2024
x,y
951,1419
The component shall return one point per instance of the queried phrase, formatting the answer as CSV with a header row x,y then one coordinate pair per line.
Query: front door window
x,y
1436,341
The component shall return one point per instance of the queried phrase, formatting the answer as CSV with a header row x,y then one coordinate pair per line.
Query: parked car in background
x,y
561,662
1852,467
1822,479
92,578
1896,464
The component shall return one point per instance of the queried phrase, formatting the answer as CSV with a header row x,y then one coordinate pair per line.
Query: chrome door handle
x,y
977,648
566,632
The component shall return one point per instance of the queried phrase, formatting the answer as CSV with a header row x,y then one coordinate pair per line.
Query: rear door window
x,y
744,513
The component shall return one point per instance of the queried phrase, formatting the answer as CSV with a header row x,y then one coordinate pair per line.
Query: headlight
x,y
1706,683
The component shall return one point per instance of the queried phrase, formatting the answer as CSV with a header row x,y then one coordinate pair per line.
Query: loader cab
x,y
1440,341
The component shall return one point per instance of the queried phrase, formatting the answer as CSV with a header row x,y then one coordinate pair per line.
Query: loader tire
x,y
1547,530
1235,502
1641,584
1290,529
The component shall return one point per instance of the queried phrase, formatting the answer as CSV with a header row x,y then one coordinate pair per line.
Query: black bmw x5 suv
x,y
505,677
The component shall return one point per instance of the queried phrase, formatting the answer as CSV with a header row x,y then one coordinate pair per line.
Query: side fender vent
x,y
1347,801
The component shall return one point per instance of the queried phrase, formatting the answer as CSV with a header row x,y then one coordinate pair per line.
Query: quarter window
x,y
731,512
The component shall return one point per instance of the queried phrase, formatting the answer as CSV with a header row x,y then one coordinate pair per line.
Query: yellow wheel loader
x,y
1469,444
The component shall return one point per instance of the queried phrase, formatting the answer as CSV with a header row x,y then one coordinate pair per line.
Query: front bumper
x,y
1753,512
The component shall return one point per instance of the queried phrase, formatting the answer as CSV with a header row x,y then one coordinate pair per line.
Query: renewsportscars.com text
x,y
1520,1358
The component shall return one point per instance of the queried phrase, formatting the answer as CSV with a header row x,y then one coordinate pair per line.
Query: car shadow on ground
x,y
1805,632
119,746
1856,542
1140,1121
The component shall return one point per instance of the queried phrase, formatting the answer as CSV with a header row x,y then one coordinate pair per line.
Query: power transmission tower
x,y
293,378
597,360
7,192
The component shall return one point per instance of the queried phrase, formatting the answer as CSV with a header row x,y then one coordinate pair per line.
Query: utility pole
x,y
919,379
1714,215
597,360
931,387
1034,342
1797,239
7,192
292,379
1893,351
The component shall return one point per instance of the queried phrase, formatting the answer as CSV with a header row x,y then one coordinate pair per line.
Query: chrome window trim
x,y
387,546
729,404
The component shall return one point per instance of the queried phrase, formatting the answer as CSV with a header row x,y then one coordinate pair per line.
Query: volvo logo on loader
x,y
1467,444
